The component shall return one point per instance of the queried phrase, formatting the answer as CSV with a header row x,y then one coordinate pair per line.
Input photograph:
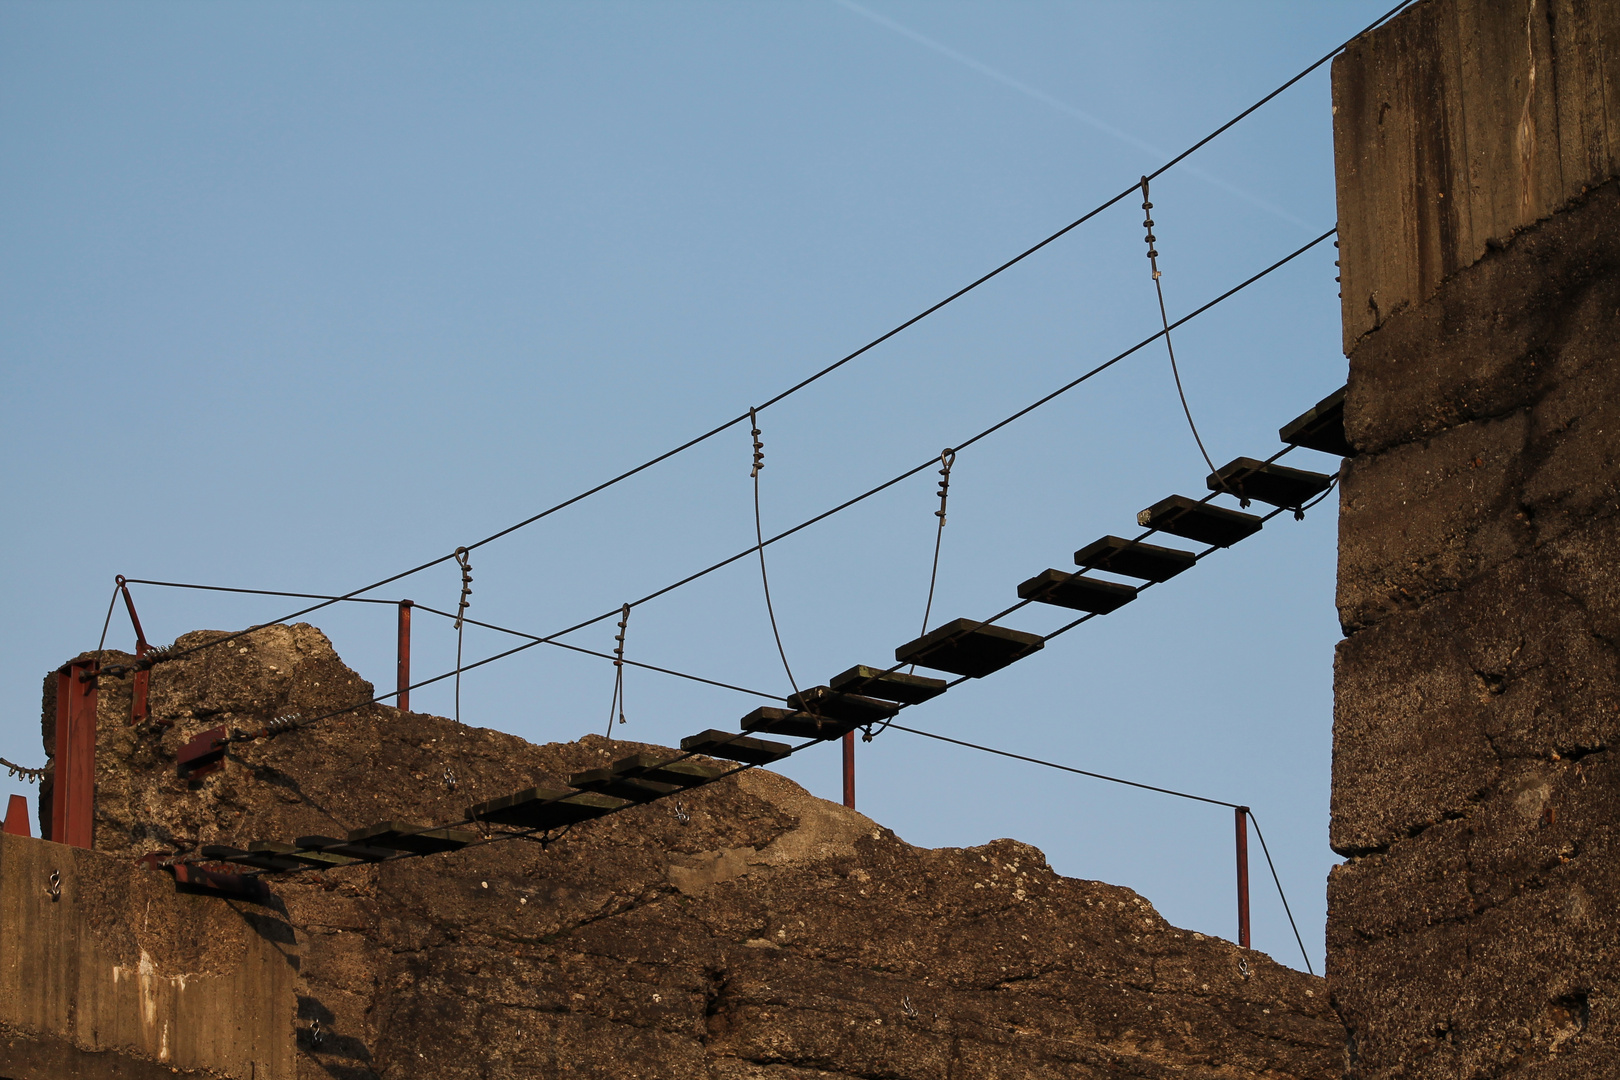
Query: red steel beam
x,y
143,679
73,791
403,703
1242,815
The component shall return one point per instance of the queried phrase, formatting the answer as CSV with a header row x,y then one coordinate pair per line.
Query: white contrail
x,y
1064,107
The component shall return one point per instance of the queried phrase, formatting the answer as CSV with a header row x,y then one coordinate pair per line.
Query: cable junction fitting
x,y
759,447
616,706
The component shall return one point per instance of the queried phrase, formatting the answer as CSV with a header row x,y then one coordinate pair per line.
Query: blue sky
x,y
295,296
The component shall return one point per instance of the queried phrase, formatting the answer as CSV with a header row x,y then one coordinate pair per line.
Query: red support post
x,y
143,679
17,817
403,702
1242,815
73,790
849,769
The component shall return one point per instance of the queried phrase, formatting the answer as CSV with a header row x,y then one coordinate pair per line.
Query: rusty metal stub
x,y
205,753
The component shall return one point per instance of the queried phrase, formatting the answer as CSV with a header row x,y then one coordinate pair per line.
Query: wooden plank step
x,y
661,771
963,647
298,854
1321,427
544,808
608,782
1193,520
264,860
334,846
1273,484
794,724
417,839
888,685
725,744
831,704
1150,562
1076,591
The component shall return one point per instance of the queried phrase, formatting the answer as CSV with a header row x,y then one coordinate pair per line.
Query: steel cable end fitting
x,y
1147,223
759,447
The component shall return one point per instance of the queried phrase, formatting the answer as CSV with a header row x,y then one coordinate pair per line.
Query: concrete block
x,y
1457,124
121,975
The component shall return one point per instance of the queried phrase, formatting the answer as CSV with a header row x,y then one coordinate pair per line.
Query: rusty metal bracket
x,y
139,711
205,753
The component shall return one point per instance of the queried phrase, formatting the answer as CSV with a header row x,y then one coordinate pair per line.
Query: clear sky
x,y
294,296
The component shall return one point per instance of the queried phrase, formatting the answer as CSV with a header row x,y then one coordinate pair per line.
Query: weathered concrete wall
x,y
1457,124
1473,931
760,933
119,975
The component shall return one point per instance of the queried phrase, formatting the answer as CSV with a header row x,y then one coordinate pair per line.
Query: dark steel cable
x,y
530,833
992,429
733,422
550,638
759,536
105,624
461,618
1065,768
263,592
617,704
538,640
947,458
1164,320
1281,895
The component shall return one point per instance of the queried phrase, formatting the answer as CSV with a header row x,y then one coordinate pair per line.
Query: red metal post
x,y
403,703
1242,815
849,769
73,791
143,679
17,817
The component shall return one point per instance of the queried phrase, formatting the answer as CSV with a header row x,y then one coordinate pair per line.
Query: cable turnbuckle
x,y
947,458
1147,223
759,447
466,585
618,649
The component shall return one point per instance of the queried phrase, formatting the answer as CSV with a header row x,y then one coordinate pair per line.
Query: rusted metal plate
x,y
205,753
794,724
734,747
659,770
17,816
1193,520
1076,591
1321,427
1276,485
417,839
633,788
963,647
831,704
545,808
889,685
1150,562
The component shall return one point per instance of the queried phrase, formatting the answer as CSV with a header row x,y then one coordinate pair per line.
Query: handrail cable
x,y
795,388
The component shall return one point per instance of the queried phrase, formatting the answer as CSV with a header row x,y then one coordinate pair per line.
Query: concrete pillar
x,y
1473,929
